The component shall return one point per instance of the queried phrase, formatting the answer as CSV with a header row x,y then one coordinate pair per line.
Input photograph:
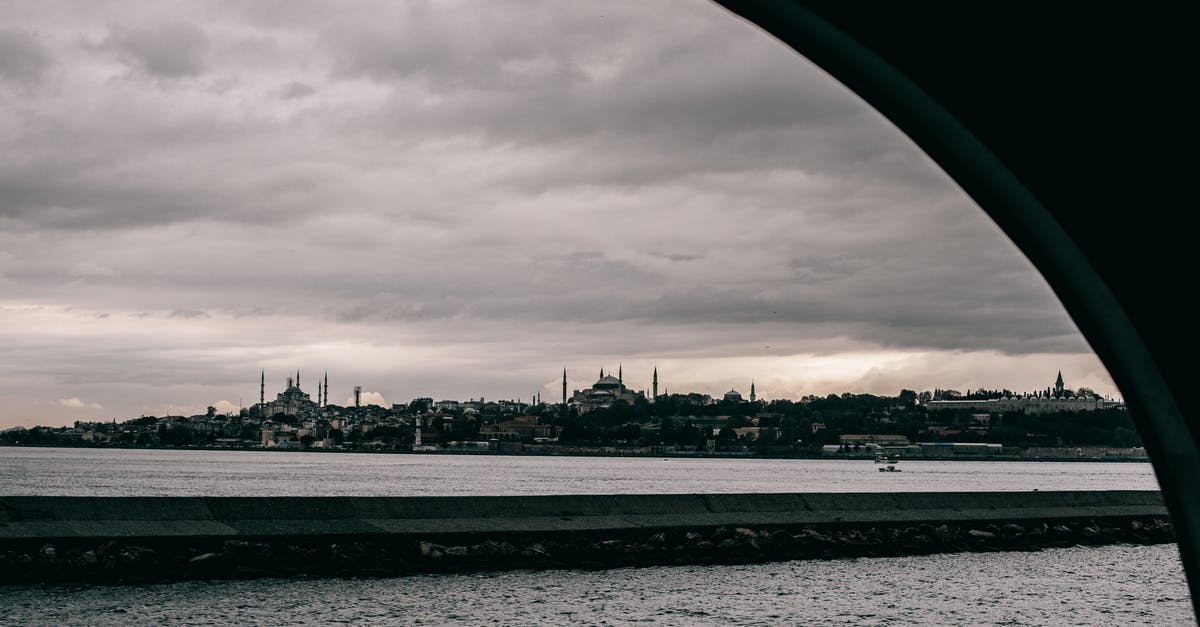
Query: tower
x,y
619,377
326,400
564,386
297,379
1058,385
262,388
318,392
752,395
357,395
656,383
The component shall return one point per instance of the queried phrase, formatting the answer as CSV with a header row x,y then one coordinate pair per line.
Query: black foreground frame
x,y
1070,125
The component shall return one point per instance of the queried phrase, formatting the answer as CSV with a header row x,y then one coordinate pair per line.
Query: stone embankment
x,y
135,540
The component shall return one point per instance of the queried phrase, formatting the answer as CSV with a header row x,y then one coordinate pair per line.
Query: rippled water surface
x,y
1116,585
115,472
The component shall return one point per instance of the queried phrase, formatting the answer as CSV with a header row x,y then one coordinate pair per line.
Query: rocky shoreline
x,y
146,560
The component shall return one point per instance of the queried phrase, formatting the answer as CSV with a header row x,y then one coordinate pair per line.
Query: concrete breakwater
x,y
141,539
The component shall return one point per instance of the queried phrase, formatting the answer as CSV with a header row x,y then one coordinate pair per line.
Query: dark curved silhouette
x,y
1070,125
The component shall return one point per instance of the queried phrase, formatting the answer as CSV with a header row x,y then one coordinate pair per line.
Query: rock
x,y
729,544
538,549
1136,525
507,549
241,546
609,546
1061,530
456,551
137,554
48,553
692,537
980,535
88,558
658,539
704,545
1013,529
743,532
1090,532
781,539
204,557
429,550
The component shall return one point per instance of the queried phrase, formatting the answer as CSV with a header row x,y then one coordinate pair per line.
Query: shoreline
x,y
548,453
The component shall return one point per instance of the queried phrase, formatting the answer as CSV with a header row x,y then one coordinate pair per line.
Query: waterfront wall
x,y
135,539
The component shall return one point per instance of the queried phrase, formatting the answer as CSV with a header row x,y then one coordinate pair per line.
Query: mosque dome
x,y
607,382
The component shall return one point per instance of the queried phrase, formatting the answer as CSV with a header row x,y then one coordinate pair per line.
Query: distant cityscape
x,y
608,417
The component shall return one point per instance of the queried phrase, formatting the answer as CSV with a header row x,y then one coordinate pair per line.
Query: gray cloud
x,y
23,57
296,89
169,49
429,200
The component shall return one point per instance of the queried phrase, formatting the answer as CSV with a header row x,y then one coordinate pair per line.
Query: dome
x,y
607,382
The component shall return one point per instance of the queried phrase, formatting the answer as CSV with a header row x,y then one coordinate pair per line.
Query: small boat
x,y
891,461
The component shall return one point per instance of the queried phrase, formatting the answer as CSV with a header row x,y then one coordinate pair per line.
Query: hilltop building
x,y
292,401
603,393
1057,398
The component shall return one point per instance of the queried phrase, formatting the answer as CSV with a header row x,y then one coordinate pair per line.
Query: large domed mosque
x,y
604,392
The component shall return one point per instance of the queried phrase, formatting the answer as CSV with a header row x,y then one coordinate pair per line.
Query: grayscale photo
x,y
734,312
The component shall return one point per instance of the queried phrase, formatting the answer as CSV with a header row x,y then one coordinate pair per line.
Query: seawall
x,y
137,539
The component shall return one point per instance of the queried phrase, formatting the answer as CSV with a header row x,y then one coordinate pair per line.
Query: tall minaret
x,y
752,396
318,392
656,383
262,388
564,386
325,401
620,377
297,378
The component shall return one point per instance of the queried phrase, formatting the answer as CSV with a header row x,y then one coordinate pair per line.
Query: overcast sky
x,y
459,199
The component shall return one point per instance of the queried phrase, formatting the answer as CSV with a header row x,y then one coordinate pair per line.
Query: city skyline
x,y
456,204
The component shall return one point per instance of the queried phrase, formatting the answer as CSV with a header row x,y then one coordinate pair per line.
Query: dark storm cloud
x,y
23,58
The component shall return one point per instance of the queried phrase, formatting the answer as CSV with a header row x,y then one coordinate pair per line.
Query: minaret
x,y
318,392
325,401
262,388
656,383
564,386
297,378
752,396
620,377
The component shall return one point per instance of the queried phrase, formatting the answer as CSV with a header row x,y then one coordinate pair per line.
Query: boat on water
x,y
891,461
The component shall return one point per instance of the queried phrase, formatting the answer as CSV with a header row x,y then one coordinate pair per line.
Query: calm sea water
x,y
1116,585
114,472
